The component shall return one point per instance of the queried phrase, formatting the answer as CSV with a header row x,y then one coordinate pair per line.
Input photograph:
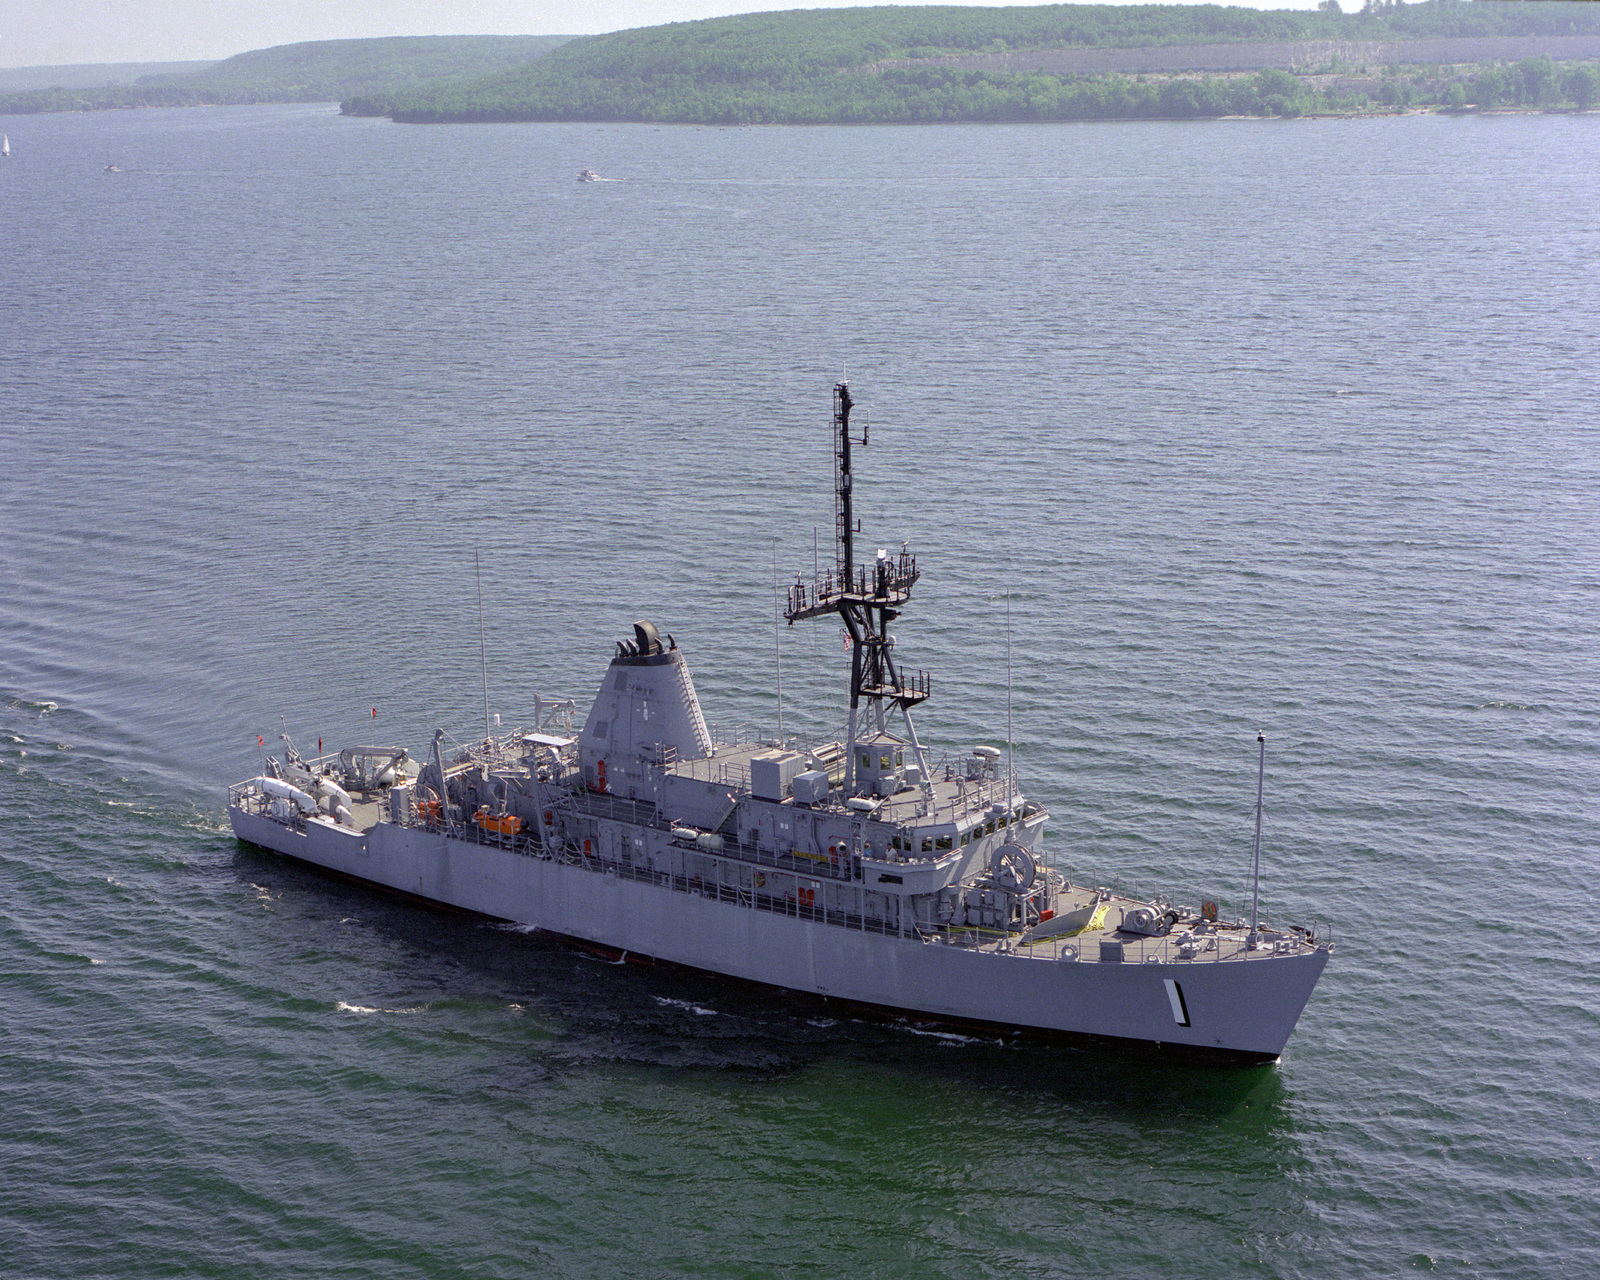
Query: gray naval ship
x,y
858,870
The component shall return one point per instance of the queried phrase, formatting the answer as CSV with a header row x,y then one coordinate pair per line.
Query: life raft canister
x,y
505,824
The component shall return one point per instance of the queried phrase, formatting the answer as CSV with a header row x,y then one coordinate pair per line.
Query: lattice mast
x,y
867,600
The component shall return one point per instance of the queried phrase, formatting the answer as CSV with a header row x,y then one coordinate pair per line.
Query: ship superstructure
x,y
854,868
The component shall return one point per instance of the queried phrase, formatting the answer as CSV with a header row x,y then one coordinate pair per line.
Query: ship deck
x,y
955,799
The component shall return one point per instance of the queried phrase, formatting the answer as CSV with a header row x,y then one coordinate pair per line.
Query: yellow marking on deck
x,y
1096,921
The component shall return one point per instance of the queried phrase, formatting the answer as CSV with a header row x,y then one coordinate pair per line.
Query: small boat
x,y
111,168
588,175
5,145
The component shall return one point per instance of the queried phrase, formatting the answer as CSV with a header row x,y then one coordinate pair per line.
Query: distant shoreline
x,y
811,67
1300,57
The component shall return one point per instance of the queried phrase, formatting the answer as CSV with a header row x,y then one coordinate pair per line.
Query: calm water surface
x,y
1197,429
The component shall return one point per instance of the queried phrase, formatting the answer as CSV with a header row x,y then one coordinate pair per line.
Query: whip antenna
x,y
777,639
1255,892
483,648
1011,759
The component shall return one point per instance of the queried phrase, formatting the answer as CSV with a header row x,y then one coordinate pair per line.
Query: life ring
x,y
549,817
1208,912
761,879
600,774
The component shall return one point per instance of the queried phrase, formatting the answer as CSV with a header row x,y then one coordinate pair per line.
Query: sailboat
x,y
5,145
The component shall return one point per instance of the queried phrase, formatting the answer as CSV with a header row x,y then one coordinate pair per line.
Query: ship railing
x,y
250,798
754,898
975,793
1229,917
819,867
641,813
734,735
1231,939
726,773
526,841
976,797
597,804
744,735
733,774
1232,945
886,582
1082,947
498,751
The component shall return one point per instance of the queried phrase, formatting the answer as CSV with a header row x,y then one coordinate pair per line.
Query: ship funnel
x,y
646,713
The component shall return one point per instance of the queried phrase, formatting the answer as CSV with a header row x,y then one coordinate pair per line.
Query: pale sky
x,y
72,31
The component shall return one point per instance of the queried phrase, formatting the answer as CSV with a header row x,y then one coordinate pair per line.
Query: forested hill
x,y
316,71
873,64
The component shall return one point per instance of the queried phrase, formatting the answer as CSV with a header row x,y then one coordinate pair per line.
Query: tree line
x,y
921,95
837,66
817,66
315,71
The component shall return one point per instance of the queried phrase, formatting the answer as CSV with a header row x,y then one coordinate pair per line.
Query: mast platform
x,y
887,586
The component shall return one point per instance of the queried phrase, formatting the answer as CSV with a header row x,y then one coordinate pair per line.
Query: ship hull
x,y
1239,1010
